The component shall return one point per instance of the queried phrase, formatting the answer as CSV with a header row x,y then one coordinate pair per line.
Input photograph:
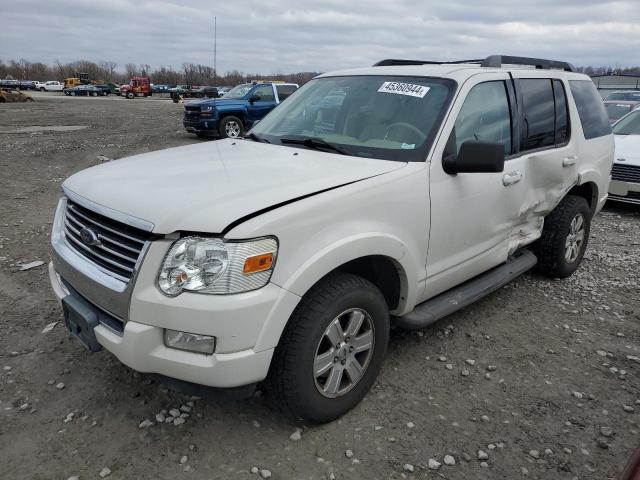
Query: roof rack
x,y
492,61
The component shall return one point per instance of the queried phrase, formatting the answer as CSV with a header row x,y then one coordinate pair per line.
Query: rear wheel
x,y
331,350
94,94
564,238
231,127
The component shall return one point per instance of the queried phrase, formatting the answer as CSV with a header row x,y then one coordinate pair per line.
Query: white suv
x,y
51,86
396,193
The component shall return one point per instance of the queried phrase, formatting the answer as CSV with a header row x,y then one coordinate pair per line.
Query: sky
x,y
287,36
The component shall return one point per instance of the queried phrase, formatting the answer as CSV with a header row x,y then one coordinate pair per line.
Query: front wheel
x,y
331,350
564,238
231,127
130,95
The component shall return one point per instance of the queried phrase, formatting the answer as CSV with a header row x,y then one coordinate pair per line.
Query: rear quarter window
x,y
593,116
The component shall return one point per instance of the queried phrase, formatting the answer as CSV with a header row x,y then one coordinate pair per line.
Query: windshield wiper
x,y
256,138
313,143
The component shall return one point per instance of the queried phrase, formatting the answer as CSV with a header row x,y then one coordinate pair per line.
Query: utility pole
x,y
215,42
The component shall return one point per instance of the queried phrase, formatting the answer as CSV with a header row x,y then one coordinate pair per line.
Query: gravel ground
x,y
539,380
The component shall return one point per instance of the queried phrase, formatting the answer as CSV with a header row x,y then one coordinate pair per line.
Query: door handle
x,y
511,178
569,161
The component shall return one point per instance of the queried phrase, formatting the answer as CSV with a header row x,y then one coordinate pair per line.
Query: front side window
x,y
372,116
484,116
591,111
539,114
265,92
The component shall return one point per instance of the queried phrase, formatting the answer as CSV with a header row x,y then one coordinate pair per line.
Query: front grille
x,y
625,173
191,111
118,245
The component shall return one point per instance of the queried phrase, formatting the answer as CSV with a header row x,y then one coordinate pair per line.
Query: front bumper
x,y
627,192
247,325
141,347
204,125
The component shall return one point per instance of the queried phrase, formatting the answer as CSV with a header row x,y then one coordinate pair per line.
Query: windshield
x,y
392,118
629,125
617,110
238,92
624,96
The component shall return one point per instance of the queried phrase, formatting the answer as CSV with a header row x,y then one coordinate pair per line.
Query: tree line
x,y
190,74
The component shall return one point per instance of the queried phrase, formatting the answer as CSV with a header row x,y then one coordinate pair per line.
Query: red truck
x,y
137,87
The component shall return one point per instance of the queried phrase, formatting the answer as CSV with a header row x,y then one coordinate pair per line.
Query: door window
x,y
285,91
265,92
484,116
539,113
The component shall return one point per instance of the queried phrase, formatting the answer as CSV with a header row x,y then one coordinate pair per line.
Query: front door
x,y
263,102
472,214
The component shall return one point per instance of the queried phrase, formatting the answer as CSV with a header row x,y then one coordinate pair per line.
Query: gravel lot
x,y
539,380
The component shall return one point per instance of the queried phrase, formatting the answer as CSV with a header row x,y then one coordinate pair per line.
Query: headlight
x,y
206,109
211,265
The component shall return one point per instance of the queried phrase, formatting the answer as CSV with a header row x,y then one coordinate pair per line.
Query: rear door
x,y
547,148
265,102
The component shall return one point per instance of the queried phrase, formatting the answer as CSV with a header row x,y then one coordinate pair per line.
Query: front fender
x,y
324,261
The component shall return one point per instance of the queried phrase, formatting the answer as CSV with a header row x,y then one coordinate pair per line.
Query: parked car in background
x,y
624,95
10,84
86,90
195,92
159,88
222,91
27,85
52,86
105,88
38,85
616,109
237,111
625,175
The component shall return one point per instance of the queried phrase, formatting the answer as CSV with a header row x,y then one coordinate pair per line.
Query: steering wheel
x,y
406,126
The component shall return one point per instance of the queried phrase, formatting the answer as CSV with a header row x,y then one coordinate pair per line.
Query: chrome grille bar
x,y
112,245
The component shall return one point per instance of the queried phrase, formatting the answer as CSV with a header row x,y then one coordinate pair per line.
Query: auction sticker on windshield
x,y
410,89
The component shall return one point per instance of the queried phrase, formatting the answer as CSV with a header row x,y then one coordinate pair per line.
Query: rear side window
x,y
562,113
284,91
591,110
265,92
539,114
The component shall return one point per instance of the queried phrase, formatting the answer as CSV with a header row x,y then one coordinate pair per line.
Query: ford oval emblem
x,y
89,237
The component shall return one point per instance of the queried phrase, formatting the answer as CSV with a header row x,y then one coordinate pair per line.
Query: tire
x,y
292,382
42,89
130,95
564,238
73,94
231,127
94,94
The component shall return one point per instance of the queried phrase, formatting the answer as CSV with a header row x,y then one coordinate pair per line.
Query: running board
x,y
467,293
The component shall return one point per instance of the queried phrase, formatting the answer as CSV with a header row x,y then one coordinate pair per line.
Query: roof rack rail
x,y
492,61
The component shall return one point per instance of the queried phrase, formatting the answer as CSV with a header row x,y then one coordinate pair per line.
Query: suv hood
x,y
627,148
205,187
215,102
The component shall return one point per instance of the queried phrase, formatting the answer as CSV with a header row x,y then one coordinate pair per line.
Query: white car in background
x,y
625,175
51,86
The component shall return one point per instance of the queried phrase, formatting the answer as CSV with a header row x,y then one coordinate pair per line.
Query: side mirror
x,y
254,98
476,157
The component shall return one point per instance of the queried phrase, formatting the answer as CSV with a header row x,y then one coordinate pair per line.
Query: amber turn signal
x,y
258,263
